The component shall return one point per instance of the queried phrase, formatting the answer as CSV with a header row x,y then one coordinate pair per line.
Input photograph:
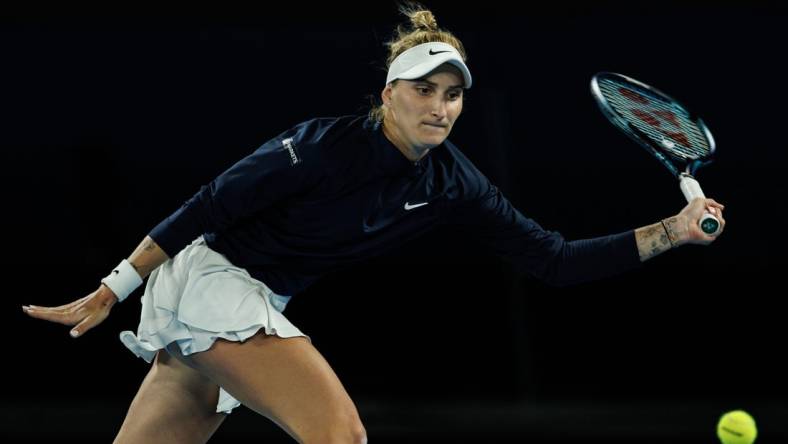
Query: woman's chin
x,y
433,140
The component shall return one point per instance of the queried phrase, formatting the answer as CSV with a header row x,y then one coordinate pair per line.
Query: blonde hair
x,y
423,29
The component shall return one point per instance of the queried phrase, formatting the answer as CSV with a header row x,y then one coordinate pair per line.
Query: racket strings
x,y
663,122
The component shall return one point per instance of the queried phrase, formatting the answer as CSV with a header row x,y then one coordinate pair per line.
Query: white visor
x,y
420,60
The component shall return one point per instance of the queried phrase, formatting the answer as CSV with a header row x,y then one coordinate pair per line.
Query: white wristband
x,y
122,280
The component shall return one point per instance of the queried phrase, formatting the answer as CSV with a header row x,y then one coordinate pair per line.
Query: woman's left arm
x,y
678,230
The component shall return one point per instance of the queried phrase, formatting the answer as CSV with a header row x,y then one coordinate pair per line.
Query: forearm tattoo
x,y
652,240
149,245
672,228
146,257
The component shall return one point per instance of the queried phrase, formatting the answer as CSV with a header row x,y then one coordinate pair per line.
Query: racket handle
x,y
691,189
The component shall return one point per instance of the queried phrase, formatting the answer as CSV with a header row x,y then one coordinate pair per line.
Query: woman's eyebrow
x,y
435,85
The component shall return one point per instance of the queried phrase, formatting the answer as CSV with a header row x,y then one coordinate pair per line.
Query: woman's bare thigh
x,y
286,380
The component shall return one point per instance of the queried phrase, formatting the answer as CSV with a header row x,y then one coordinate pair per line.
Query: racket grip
x,y
708,223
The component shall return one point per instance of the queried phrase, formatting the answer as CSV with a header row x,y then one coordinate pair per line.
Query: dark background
x,y
111,119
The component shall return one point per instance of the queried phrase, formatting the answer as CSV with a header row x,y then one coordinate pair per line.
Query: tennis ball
x,y
737,427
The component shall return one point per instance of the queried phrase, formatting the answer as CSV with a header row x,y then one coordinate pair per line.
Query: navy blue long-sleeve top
x,y
333,191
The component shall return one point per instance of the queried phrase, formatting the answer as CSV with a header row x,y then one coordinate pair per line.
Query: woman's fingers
x,y
58,308
72,304
715,208
714,203
86,324
85,313
53,315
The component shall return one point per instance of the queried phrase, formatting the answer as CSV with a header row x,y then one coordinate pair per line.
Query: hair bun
x,y
423,20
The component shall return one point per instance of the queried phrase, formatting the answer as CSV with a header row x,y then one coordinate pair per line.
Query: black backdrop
x,y
112,119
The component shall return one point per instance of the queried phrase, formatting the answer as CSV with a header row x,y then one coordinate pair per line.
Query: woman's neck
x,y
408,151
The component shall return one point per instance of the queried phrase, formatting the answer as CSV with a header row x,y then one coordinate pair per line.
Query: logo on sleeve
x,y
291,148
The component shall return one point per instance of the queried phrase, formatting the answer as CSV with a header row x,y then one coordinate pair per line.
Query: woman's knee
x,y
342,431
359,434
339,437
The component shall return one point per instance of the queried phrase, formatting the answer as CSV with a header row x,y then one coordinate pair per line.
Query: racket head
x,y
659,123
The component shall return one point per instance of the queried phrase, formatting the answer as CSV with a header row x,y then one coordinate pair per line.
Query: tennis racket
x,y
661,125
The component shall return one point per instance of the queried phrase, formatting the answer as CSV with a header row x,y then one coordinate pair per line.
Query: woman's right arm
x,y
147,257
92,309
256,182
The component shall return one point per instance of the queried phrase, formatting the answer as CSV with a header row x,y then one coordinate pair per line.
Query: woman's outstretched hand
x,y
85,313
684,226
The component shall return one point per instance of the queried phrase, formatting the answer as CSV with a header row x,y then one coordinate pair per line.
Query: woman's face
x,y
421,112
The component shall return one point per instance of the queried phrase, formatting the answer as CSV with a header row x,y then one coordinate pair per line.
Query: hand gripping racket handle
x,y
691,189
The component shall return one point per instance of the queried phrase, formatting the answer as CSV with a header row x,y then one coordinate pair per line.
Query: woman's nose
x,y
439,108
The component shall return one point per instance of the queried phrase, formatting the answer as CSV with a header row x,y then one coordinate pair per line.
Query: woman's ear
x,y
385,95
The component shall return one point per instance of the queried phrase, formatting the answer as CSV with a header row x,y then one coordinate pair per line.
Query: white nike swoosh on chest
x,y
408,206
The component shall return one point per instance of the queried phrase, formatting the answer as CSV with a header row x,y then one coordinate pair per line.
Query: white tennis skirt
x,y
198,297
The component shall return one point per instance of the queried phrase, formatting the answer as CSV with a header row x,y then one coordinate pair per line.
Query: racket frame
x,y
687,183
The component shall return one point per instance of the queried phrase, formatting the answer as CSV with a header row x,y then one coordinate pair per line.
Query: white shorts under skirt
x,y
199,296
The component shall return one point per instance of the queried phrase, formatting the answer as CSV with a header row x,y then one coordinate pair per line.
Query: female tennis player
x,y
318,197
